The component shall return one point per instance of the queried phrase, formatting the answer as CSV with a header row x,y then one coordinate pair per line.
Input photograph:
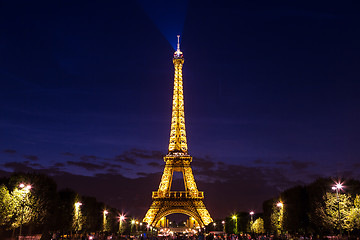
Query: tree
x,y
277,217
295,216
352,220
258,226
6,212
338,209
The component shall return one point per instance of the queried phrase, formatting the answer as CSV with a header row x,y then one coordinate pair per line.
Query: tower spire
x,y
178,53
178,44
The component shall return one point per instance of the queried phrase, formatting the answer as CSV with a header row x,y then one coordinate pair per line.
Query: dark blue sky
x,y
271,93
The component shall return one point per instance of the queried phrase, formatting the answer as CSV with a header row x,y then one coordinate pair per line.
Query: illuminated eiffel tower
x,y
188,202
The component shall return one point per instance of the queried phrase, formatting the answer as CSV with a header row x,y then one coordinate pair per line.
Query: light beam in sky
x,y
168,16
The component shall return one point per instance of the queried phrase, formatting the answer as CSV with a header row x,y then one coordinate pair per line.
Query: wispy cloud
x,y
10,151
31,157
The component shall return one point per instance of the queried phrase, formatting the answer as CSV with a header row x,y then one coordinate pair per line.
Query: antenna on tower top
x,y
178,54
178,44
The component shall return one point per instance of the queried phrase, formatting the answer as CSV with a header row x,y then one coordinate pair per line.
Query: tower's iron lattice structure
x,y
190,201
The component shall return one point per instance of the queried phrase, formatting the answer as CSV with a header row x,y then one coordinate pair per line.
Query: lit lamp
x,y
281,206
121,219
234,217
251,215
24,191
337,188
132,225
77,215
105,220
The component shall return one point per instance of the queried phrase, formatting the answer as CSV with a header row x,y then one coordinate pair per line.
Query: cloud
x,y
18,166
154,164
89,158
87,165
9,151
68,154
297,165
114,165
133,156
31,157
204,163
356,165
112,171
59,165
259,161
27,166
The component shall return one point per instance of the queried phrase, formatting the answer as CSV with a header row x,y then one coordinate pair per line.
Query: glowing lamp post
x,y
121,219
105,213
251,215
77,216
223,223
234,217
337,188
280,205
78,204
252,220
25,189
132,225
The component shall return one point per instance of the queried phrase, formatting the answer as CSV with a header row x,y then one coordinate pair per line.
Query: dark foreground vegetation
x,y
325,207
31,204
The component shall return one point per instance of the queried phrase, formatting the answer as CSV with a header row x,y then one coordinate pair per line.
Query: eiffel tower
x,y
188,202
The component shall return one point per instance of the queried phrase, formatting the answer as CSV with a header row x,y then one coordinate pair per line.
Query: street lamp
x,y
223,223
24,190
105,220
280,205
252,220
121,219
234,217
251,215
132,225
77,215
338,186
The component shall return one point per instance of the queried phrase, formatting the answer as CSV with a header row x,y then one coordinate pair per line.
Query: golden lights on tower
x,y
188,202
178,143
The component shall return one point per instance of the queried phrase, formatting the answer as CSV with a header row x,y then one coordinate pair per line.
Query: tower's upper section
x,y
178,54
178,142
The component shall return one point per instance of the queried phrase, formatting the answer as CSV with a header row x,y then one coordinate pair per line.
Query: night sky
x,y
271,95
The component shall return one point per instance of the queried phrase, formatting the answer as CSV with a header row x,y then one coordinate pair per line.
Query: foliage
x,y
6,206
42,209
315,209
277,218
258,226
295,219
337,210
